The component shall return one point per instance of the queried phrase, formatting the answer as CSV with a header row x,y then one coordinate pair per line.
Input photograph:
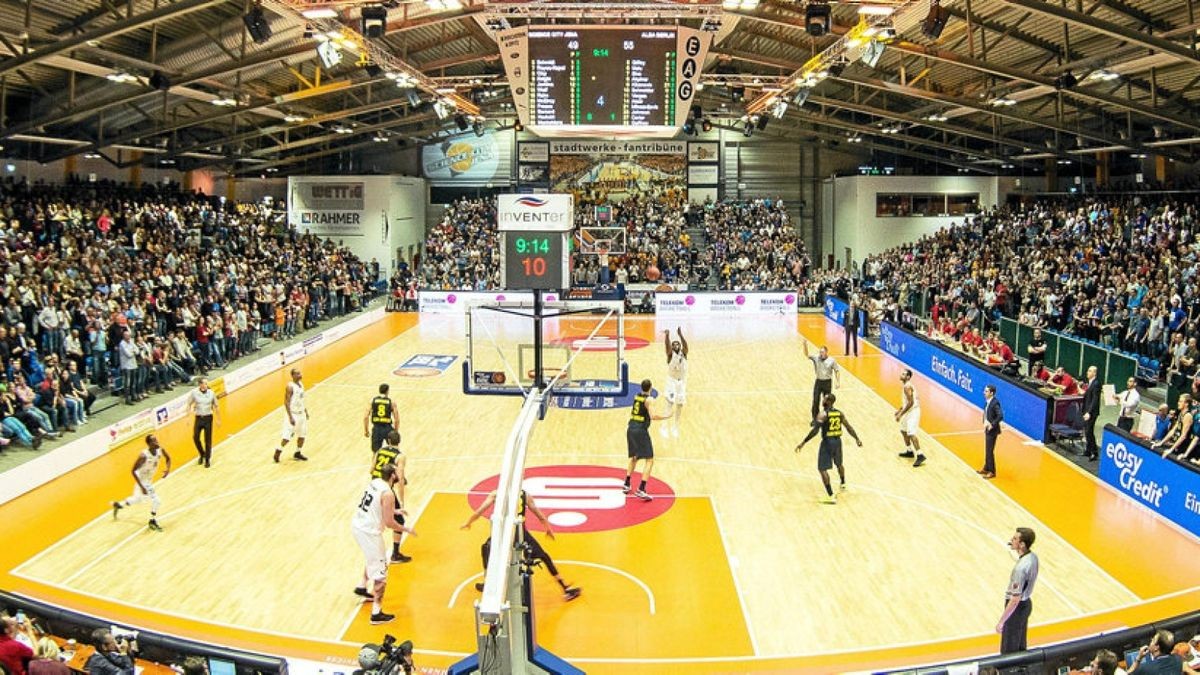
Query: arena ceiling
x,y
1006,86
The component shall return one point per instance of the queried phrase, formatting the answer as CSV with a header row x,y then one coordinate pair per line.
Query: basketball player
x,y
535,549
390,454
677,354
295,421
830,423
143,476
382,417
376,510
909,417
637,435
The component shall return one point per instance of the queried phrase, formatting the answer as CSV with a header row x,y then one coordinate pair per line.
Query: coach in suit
x,y
1091,413
992,417
850,322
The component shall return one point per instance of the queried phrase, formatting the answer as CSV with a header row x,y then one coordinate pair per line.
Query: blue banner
x,y
1166,488
1024,410
835,311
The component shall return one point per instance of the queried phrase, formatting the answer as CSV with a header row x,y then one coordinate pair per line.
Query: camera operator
x,y
112,657
388,658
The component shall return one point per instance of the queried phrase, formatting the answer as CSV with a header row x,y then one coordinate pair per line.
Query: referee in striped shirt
x,y
826,369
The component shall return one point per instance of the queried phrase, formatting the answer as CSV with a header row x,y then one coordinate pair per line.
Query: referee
x,y
381,419
1014,622
203,402
826,369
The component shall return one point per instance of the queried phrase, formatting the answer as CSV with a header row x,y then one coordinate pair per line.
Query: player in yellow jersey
x,y
389,453
830,423
381,418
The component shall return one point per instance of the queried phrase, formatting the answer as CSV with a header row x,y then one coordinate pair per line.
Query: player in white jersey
x,y
909,417
143,476
677,354
295,417
376,510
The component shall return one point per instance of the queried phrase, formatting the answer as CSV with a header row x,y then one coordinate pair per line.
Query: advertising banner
x,y
704,174
551,213
131,427
1024,410
467,158
1166,488
533,153
746,304
704,151
835,311
455,302
328,208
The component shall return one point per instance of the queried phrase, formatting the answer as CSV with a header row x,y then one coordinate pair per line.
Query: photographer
x,y
388,658
111,657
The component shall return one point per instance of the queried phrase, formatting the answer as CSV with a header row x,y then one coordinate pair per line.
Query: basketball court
x,y
734,565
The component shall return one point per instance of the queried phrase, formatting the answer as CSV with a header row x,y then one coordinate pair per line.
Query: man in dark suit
x,y
850,324
1091,412
992,417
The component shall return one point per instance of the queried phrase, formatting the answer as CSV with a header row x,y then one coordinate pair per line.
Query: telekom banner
x,y
745,303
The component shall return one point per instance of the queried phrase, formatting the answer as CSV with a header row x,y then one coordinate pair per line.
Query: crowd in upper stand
x,y
135,290
1121,271
732,245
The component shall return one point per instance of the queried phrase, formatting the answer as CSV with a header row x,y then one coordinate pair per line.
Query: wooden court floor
x,y
744,571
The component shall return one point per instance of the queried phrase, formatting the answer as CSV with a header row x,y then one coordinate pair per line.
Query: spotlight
x,y
817,18
461,122
738,93
697,112
518,126
689,128
374,22
160,81
413,97
801,96
836,69
706,125
1066,81
256,25
935,21
748,131
373,70
477,127
762,122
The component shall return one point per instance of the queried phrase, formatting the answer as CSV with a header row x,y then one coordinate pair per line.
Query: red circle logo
x,y
583,498
599,343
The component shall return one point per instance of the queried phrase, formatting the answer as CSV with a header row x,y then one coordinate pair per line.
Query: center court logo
x,y
1129,464
583,498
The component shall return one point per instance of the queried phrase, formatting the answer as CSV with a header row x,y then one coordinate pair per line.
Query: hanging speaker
x,y
257,26
159,81
935,22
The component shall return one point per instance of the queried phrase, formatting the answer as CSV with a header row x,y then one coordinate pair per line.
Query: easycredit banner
x,y
1024,410
835,311
1166,488
747,304
456,302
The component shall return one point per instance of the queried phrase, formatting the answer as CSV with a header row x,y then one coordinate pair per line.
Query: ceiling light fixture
x,y
319,13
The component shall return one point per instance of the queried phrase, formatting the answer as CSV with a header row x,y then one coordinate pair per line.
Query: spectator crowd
x,y
731,245
138,290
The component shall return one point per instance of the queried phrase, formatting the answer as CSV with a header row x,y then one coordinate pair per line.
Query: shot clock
x,y
533,260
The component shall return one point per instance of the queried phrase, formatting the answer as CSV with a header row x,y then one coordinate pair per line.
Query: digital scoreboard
x,y
639,80
602,76
533,260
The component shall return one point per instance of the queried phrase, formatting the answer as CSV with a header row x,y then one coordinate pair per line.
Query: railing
x,y
1073,354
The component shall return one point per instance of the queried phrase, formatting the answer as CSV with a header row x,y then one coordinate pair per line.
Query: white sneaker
x,y
642,495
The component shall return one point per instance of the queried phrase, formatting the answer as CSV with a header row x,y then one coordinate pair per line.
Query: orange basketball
x,y
652,273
